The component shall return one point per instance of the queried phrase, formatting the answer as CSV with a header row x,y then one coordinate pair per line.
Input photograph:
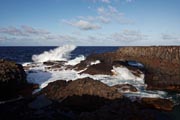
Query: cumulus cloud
x,y
27,35
12,31
129,36
31,30
22,31
112,14
83,25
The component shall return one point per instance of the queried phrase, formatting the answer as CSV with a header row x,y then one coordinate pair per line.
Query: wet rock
x,y
125,88
82,94
158,103
59,90
12,79
101,68
161,64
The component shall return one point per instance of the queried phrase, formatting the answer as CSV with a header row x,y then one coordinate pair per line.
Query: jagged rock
x,y
161,64
12,79
81,94
101,68
59,90
125,87
158,103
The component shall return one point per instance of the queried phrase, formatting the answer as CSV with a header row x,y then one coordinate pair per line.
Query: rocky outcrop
x,y
101,68
60,89
13,81
158,103
82,94
12,78
161,64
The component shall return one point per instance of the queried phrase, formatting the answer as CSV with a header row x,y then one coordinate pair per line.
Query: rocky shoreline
x,y
88,99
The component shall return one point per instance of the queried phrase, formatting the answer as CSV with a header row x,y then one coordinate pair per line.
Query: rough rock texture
x,y
125,88
82,94
59,90
101,68
158,103
12,78
162,64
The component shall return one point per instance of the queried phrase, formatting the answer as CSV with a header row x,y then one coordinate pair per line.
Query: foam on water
x,y
40,75
76,60
58,54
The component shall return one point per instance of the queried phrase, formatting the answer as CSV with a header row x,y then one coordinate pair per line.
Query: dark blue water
x,y
24,54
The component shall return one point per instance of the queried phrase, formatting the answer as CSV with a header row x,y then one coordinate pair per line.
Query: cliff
x,y
161,63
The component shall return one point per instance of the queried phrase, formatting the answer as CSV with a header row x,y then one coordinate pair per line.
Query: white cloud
x,y
22,31
31,30
27,35
83,25
110,13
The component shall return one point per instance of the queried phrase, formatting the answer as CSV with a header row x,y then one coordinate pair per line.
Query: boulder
x,y
82,94
12,79
158,103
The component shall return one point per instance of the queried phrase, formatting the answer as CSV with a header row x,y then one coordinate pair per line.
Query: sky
x,y
89,22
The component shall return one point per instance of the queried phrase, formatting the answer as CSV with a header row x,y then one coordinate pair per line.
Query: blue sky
x,y
89,22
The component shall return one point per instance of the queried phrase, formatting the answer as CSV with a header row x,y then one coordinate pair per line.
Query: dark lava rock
x,y
158,103
125,87
59,90
81,94
101,68
12,79
161,64
123,109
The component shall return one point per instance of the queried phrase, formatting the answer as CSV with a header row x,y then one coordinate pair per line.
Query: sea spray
x,y
76,60
58,54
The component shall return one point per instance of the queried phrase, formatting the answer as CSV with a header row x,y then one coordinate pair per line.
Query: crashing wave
x,y
58,54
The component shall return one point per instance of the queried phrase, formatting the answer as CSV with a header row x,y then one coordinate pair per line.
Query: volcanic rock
x,y
123,109
161,64
12,79
158,103
101,68
82,94
125,88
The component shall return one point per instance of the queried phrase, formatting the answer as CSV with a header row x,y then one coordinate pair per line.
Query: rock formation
x,y
161,64
13,81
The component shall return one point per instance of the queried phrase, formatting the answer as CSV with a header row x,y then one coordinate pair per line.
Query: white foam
x,y
125,74
75,61
38,74
58,54
95,62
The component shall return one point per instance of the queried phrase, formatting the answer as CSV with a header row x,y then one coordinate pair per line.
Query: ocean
x,y
33,57
25,53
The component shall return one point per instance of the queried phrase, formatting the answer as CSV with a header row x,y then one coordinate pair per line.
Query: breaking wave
x,y
61,53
